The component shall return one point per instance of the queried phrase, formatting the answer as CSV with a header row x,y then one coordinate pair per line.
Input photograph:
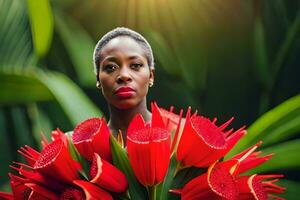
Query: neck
x,y
120,118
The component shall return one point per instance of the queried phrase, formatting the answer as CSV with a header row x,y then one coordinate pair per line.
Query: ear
x,y
151,77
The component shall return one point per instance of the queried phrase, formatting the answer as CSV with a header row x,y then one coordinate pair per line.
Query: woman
x,y
124,67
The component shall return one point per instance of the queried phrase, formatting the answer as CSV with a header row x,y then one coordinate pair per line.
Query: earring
x,y
150,84
98,85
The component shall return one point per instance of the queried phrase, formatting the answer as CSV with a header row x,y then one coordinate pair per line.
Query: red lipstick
x,y
124,92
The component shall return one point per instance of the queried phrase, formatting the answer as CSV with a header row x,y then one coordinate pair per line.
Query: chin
x,y
126,104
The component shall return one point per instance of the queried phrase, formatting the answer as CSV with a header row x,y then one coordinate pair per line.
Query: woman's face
x,y
124,73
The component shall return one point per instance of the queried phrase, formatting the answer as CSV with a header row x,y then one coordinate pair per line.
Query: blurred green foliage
x,y
235,58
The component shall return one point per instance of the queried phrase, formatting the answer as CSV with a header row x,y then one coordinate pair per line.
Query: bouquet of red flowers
x,y
170,158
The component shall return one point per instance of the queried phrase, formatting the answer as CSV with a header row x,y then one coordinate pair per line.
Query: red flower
x,y
53,176
72,193
107,176
55,159
55,135
29,154
222,180
22,188
217,183
40,193
19,190
171,120
6,196
254,187
202,142
92,192
149,148
92,136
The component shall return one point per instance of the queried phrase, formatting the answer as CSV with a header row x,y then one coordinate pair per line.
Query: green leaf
x,y
76,105
41,19
44,85
22,88
286,156
260,51
40,123
185,175
16,47
76,156
5,187
292,189
7,155
79,45
121,161
181,178
165,186
282,121
22,130
164,54
291,36
290,127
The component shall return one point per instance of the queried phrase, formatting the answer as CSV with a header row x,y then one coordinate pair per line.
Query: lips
x,y
124,92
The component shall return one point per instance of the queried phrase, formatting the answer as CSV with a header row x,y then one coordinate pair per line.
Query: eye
x,y
110,67
136,66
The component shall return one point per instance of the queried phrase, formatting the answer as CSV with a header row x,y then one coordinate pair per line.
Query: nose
x,y
124,76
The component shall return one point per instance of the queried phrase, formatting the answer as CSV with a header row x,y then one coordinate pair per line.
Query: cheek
x,y
144,83
106,81
107,84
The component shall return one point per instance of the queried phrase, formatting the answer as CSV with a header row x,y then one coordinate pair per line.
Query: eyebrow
x,y
114,59
110,58
134,57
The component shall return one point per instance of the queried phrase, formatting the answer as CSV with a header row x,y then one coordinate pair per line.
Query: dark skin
x,y
124,64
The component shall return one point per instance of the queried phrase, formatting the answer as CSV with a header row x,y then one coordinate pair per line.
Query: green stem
x,y
152,192
179,167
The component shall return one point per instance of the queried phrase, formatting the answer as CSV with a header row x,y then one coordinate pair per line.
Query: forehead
x,y
124,45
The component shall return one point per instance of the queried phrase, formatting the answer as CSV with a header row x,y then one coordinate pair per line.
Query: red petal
x,y
176,135
171,120
222,182
258,189
72,193
136,124
44,140
168,116
196,189
157,120
91,136
252,162
59,135
149,154
249,159
6,196
101,142
30,154
19,190
92,192
253,186
107,176
55,161
34,176
41,192
231,166
201,143
233,139
160,153
270,185
224,126
139,156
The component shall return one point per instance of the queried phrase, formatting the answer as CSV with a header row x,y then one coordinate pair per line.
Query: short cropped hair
x,y
122,31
